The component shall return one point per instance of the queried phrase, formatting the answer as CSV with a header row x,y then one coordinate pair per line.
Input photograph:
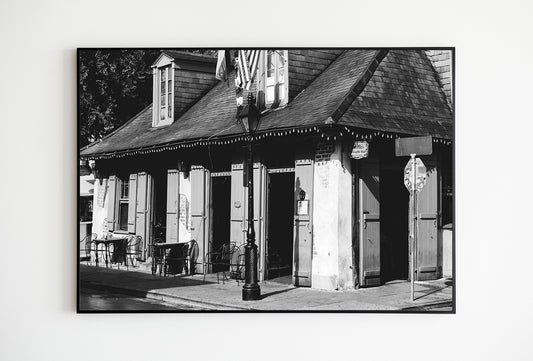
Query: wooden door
x,y
172,206
303,221
199,211
369,223
144,201
427,267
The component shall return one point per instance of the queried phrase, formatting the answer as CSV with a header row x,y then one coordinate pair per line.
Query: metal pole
x,y
412,236
251,290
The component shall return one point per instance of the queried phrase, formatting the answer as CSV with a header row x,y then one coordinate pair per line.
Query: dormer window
x,y
276,80
163,98
165,94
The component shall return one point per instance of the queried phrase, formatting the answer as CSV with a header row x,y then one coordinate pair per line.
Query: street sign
x,y
421,175
414,145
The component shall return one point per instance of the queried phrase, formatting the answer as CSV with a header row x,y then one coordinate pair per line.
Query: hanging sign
x,y
414,145
360,150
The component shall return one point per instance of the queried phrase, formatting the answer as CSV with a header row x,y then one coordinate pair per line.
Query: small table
x,y
106,242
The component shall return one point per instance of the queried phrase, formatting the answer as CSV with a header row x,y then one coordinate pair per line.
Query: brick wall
x,y
442,62
323,151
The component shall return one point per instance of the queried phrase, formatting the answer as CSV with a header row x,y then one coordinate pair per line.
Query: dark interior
x,y
220,202
280,224
394,212
160,204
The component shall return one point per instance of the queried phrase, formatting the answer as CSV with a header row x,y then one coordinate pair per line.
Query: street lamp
x,y
249,117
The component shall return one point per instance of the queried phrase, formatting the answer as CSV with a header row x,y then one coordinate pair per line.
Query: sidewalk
x,y
191,290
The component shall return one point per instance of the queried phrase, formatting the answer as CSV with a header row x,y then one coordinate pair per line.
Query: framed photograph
x,y
266,180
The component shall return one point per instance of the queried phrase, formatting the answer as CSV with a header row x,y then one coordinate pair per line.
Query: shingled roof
x,y
394,91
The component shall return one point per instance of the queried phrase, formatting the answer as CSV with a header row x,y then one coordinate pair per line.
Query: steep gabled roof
x,y
394,91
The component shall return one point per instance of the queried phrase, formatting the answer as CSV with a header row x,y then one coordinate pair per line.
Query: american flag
x,y
246,63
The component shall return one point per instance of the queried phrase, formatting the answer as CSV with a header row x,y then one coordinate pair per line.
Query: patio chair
x,y
236,267
219,260
157,256
133,250
175,260
194,250
86,247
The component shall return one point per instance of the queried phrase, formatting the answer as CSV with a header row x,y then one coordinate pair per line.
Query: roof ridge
x,y
357,87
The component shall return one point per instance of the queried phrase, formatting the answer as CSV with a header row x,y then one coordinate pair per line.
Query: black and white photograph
x,y
266,180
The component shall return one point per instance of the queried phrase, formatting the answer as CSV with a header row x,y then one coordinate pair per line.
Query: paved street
x,y
95,300
430,296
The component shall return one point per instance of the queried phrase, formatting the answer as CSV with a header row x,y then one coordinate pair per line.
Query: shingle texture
x,y
400,93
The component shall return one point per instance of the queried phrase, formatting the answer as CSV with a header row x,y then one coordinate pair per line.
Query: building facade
x,y
325,213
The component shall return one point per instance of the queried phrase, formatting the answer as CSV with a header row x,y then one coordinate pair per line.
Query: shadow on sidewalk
x,y
265,295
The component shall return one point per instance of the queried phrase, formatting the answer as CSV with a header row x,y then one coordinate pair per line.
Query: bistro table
x,y
118,242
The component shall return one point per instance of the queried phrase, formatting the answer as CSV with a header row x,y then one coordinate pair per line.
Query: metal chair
x,y
86,247
158,256
220,260
236,267
194,250
175,259
133,250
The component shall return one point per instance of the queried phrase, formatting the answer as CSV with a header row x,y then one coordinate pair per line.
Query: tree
x,y
114,85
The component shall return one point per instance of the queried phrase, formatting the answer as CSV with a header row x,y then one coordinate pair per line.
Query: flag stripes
x,y
246,64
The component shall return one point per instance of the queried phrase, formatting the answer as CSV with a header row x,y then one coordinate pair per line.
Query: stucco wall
x,y
332,256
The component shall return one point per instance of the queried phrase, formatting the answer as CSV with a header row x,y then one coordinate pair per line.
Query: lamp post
x,y
249,118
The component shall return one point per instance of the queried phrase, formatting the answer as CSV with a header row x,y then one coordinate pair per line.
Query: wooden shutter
x,y
238,206
259,212
172,205
199,211
144,198
303,225
132,206
111,203
369,223
427,267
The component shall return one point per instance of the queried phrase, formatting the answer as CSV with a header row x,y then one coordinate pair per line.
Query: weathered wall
x,y
332,238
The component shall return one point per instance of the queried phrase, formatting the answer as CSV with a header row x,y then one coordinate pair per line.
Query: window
x,y
276,84
123,205
163,95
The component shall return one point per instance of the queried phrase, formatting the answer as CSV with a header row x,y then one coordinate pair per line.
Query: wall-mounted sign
x,y
303,208
360,150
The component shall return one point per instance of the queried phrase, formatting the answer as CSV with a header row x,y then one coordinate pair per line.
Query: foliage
x,y
114,85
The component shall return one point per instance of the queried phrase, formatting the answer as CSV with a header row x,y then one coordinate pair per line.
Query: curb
x,y
159,296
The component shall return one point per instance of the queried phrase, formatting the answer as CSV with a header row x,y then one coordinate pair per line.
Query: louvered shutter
x,y
132,203
172,205
111,202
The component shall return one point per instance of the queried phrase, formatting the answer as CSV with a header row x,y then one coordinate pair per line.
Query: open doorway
x,y
220,208
159,215
394,211
280,226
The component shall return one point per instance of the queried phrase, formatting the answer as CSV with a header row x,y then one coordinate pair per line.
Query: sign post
x,y
414,179
415,175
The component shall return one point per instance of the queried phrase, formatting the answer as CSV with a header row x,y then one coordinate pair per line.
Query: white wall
x,y
332,252
38,182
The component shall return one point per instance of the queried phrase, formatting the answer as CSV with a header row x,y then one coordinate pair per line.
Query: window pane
x,y
162,113
169,88
169,105
270,64
270,94
163,88
163,75
163,99
123,216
